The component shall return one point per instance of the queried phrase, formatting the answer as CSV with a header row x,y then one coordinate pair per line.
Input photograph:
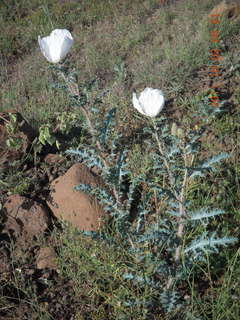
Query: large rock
x,y
25,218
76,207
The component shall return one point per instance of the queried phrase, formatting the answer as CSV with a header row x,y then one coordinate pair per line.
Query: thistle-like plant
x,y
167,240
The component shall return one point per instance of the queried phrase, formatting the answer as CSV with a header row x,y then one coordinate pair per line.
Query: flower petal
x,y
137,104
44,48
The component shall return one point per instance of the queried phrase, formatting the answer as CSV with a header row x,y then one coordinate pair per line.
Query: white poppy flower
x,y
56,46
150,102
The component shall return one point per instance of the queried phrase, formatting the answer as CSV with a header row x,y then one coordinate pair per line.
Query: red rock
x,y
25,218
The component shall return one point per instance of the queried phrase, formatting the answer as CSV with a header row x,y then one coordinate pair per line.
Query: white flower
x,y
56,46
150,102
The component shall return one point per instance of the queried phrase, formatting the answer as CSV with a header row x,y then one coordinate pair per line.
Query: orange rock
x,y
230,9
76,207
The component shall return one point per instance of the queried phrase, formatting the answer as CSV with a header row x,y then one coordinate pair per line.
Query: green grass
x,y
98,268
220,301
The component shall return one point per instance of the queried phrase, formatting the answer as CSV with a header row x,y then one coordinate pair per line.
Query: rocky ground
x,y
27,247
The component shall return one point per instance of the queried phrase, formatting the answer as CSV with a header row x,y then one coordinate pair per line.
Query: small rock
x,y
53,159
76,207
228,8
46,258
25,218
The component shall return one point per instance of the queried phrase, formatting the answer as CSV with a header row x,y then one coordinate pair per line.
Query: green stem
x,y
73,89
179,197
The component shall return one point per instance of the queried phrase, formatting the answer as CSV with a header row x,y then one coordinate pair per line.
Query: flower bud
x,y
174,129
180,133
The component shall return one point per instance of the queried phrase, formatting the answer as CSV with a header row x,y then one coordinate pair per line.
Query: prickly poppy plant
x,y
167,243
163,259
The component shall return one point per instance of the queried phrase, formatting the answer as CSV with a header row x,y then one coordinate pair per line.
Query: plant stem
x,y
74,90
182,212
161,150
179,197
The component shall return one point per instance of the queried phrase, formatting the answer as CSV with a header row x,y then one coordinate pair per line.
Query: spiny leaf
x,y
215,159
107,122
205,213
211,243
